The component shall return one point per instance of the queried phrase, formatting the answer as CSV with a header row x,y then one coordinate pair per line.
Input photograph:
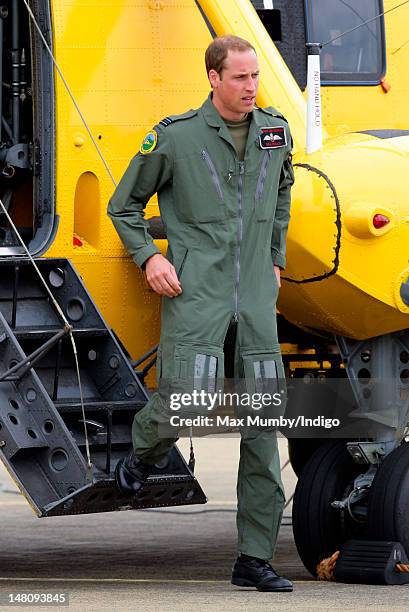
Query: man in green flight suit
x,y
223,176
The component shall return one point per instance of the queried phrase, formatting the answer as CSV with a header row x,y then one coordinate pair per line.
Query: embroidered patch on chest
x,y
272,137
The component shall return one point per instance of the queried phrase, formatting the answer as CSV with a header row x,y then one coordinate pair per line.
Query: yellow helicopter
x,y
80,87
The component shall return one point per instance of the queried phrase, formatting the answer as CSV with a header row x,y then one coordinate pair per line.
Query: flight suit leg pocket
x,y
199,374
199,366
264,382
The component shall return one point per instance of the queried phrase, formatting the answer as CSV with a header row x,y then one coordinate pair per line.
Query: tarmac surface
x,y
177,559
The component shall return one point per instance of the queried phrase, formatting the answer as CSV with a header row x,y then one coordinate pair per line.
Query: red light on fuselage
x,y
380,221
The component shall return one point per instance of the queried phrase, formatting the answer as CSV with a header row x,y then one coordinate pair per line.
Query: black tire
x,y
319,530
300,450
388,506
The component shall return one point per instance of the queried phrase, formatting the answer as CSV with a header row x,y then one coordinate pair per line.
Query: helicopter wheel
x,y
300,450
388,508
319,530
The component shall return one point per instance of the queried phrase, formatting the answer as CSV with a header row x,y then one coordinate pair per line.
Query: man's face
x,y
235,88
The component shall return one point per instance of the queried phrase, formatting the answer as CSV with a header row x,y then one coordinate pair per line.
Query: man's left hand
x,y
277,271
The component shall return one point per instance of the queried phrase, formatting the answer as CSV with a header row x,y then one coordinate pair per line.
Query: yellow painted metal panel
x,y
129,64
361,300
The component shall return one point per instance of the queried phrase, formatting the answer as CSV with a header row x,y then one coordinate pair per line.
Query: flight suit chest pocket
x,y
199,188
265,196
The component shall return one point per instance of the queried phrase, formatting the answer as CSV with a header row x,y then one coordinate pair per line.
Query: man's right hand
x,y
161,276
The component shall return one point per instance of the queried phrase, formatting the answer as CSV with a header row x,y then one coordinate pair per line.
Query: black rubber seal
x,y
337,247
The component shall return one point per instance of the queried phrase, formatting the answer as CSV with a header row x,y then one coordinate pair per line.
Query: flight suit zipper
x,y
262,176
213,173
239,240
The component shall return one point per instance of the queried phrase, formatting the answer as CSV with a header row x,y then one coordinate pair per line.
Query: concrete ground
x,y
176,560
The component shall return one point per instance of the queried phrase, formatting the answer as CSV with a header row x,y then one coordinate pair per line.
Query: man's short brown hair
x,y
216,52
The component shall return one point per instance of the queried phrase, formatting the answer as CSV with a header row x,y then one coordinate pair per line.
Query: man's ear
x,y
214,78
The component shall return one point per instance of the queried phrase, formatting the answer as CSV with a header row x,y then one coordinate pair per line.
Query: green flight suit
x,y
226,223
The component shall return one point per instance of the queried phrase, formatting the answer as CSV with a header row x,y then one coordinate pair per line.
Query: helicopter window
x,y
357,57
270,17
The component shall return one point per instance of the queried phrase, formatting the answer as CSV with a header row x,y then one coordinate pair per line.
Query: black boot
x,y
130,474
253,572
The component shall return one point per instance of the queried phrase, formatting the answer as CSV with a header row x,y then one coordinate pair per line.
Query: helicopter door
x,y
26,129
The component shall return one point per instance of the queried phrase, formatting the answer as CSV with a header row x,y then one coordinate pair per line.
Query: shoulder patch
x,y
149,142
166,121
172,118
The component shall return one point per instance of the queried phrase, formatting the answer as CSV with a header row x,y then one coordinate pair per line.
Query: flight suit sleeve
x,y
147,173
282,215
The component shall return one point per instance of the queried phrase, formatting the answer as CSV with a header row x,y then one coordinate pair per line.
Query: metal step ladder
x,y
42,435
